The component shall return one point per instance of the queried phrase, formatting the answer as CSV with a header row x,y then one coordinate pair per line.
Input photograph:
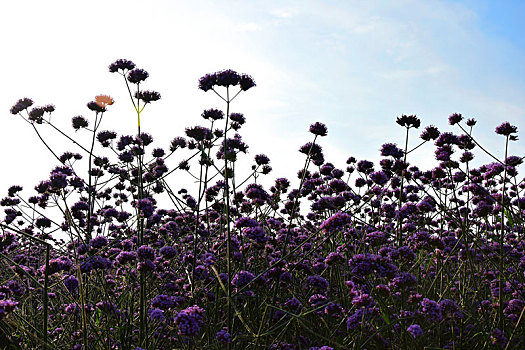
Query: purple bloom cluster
x,y
190,321
226,78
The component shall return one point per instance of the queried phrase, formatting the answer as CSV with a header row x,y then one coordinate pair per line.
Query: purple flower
x,y
514,309
317,283
408,121
246,82
21,104
336,221
99,242
261,159
455,118
104,137
497,337
121,64
158,152
242,278
415,330
227,78
379,177
79,122
156,314
256,234
404,281
190,321
163,302
446,138
506,129
238,118
430,133
59,264
246,222
35,115
317,300
145,253
363,300
207,82
199,133
125,257
318,129
256,193
7,306
223,336
293,305
13,190
356,319
365,166
312,149
450,309
168,252
146,206
391,150
431,310
71,283
213,114
147,96
95,107
137,75
363,265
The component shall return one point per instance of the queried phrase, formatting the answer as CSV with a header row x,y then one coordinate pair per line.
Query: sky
x,y
353,65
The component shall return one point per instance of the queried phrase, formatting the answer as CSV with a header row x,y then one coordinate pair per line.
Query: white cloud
x,y
287,12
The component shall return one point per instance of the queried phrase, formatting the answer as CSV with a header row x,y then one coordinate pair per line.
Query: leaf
x,y
509,217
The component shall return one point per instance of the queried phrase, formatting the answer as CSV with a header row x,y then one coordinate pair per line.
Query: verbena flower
x,y
190,321
223,336
147,96
137,75
238,118
506,129
95,107
408,121
455,118
213,114
415,330
121,64
319,129
430,133
261,159
21,104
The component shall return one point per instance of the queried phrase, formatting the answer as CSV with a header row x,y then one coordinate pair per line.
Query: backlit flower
x,y
104,100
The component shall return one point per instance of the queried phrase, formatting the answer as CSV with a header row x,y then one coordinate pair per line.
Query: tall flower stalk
x,y
227,78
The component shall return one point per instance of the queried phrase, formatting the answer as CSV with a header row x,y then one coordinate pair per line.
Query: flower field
x,y
353,256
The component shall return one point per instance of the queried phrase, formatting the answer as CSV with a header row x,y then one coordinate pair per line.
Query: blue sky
x,y
354,65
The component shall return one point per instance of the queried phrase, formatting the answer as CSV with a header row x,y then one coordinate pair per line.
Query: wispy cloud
x,y
285,12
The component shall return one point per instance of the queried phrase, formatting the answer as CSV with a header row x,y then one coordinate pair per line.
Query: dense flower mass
x,y
109,250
